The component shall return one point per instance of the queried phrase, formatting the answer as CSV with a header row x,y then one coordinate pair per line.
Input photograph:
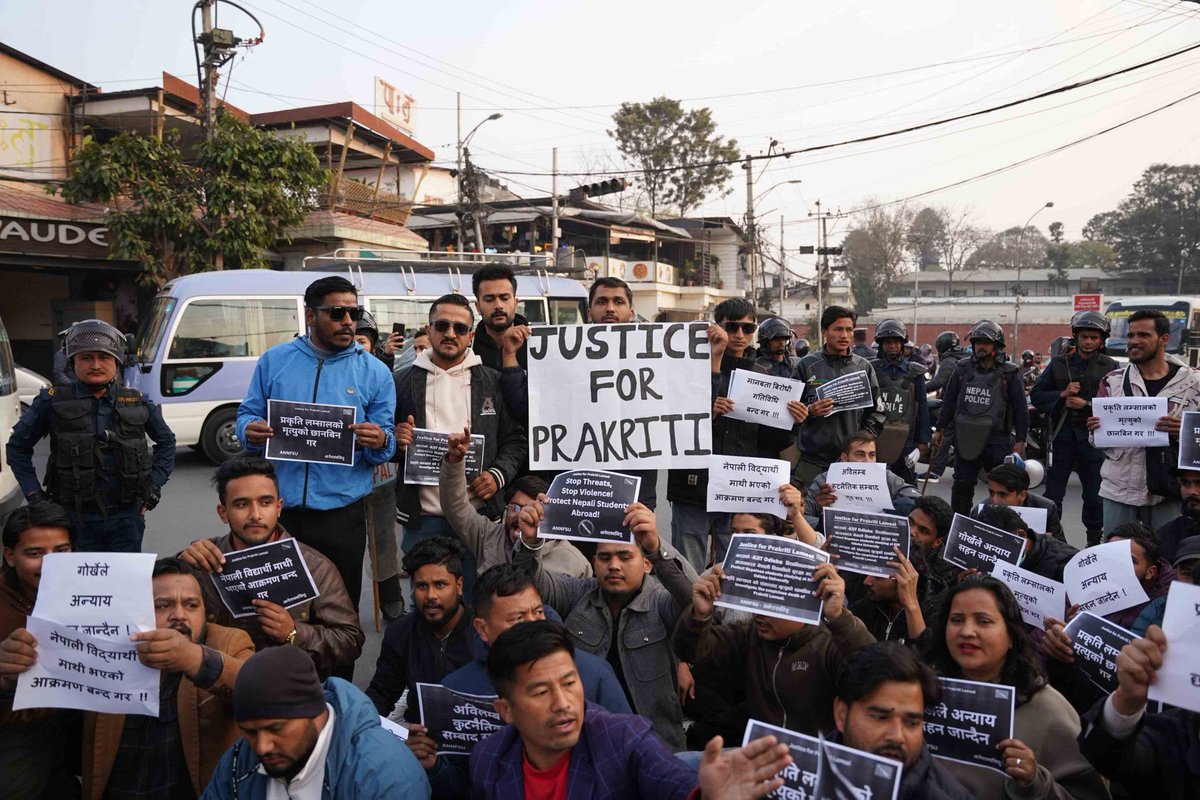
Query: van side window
x,y
233,327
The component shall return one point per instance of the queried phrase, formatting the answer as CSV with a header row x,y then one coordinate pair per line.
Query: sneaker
x,y
932,477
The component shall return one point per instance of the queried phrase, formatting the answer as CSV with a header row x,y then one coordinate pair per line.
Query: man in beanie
x,y
307,742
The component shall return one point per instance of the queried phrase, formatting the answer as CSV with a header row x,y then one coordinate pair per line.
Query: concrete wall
x,y
32,139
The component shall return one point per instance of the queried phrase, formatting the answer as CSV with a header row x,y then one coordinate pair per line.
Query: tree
x,y
1011,249
228,201
945,238
873,253
1155,231
673,149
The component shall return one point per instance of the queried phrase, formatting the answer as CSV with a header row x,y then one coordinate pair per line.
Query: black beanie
x,y
278,683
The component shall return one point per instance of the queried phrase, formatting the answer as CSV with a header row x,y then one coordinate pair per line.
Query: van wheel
x,y
219,439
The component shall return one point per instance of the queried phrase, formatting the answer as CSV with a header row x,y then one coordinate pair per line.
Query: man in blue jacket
x,y
323,504
309,740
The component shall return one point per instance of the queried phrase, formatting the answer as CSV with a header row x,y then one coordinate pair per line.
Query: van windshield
x,y
1118,317
153,329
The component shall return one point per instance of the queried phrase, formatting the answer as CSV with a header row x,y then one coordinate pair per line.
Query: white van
x,y
10,412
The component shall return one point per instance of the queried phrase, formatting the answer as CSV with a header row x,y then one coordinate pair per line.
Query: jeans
x,y
430,527
966,473
1153,516
120,533
691,527
1071,454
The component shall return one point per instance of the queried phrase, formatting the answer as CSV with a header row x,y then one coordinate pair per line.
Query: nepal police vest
x,y
1089,383
898,398
75,453
982,409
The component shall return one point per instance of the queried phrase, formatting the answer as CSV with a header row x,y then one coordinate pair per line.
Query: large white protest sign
x,y
1129,421
1178,680
100,594
860,485
629,397
1101,578
763,398
739,484
74,670
1038,597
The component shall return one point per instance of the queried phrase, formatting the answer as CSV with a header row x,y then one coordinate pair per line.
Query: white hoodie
x,y
447,408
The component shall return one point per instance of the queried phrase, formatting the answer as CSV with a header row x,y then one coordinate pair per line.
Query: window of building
x,y
991,292
1089,285
958,292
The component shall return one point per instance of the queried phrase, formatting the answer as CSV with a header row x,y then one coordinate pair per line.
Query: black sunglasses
x,y
443,325
745,327
337,313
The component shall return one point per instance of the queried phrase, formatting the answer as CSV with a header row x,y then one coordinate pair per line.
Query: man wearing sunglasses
x,y
449,389
323,503
731,338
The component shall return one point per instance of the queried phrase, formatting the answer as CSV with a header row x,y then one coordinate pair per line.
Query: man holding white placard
x,y
859,449
1136,481
1008,485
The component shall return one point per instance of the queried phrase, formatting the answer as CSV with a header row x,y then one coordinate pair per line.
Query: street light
x,y
770,189
1017,290
752,231
464,156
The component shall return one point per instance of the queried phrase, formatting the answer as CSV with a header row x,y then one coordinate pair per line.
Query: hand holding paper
x,y
705,592
169,650
641,520
1137,666
18,653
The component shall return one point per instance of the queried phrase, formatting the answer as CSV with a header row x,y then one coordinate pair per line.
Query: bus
x,y
197,347
1182,312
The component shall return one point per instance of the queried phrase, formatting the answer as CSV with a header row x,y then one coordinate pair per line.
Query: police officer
x,y
775,348
801,348
905,404
985,403
100,468
949,354
1029,370
1064,392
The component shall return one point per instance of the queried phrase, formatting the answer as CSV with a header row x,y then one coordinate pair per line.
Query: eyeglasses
x,y
745,327
443,325
337,313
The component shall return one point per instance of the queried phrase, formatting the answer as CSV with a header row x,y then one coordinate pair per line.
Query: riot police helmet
x,y
1091,321
801,347
95,336
774,328
1026,356
945,342
891,329
986,331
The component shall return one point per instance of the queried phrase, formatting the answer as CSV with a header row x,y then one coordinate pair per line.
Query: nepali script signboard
x,y
631,396
273,571
974,545
1129,421
1096,643
825,770
970,721
455,720
1101,578
317,433
742,484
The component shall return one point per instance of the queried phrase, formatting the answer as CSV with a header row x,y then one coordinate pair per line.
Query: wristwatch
x,y
291,637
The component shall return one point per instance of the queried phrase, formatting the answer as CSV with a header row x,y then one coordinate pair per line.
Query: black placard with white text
x,y
974,545
1189,441
423,458
457,721
317,433
274,571
589,505
862,542
1097,642
968,723
773,576
825,770
848,392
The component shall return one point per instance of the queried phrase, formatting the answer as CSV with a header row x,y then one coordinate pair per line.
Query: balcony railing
x,y
355,197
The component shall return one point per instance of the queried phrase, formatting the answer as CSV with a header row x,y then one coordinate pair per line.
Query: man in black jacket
x,y
882,695
1044,555
1187,524
1008,485
432,640
448,389
1158,755
501,335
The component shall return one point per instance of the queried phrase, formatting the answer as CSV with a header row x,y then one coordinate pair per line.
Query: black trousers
x,y
339,534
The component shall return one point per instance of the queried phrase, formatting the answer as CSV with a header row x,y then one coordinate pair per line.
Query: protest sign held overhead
x,y
108,595
1097,642
825,770
455,720
974,545
317,433
860,485
1189,441
739,484
1038,597
423,458
631,395
763,398
1101,578
273,571
861,541
89,673
968,723
1129,421
1177,682
773,576
589,505
848,392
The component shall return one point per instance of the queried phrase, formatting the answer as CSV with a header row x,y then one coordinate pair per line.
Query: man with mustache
x,y
882,695
1124,483
173,755
501,335
325,627
449,389
1187,524
433,639
100,468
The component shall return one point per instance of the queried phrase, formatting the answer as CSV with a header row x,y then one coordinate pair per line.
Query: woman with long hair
x,y
980,636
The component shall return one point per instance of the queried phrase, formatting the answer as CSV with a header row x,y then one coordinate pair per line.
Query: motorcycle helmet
x,y
1092,321
945,342
801,347
890,329
987,331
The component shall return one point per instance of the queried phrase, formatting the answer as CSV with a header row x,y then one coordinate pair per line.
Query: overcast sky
x,y
803,73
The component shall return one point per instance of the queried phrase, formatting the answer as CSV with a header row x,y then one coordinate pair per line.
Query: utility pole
x,y
458,171
782,268
208,87
554,206
750,228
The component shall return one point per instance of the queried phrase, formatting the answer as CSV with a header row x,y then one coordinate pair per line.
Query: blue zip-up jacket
x,y
352,377
364,761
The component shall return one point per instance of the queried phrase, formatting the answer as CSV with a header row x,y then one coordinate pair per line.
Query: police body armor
x,y
899,401
1089,384
75,451
982,409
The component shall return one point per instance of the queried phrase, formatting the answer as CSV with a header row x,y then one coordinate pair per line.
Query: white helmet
x,y
1034,469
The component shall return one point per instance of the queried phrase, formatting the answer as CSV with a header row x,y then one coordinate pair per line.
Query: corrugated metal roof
x,y
31,200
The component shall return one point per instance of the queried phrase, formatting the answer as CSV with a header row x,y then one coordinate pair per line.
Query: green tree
x,y
873,254
1011,249
673,149
1155,231
224,203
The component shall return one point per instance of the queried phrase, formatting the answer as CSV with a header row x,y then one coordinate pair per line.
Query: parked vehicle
x,y
10,412
1182,312
29,384
197,348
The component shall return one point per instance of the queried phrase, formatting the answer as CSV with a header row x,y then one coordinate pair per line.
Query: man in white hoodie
x,y
448,389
